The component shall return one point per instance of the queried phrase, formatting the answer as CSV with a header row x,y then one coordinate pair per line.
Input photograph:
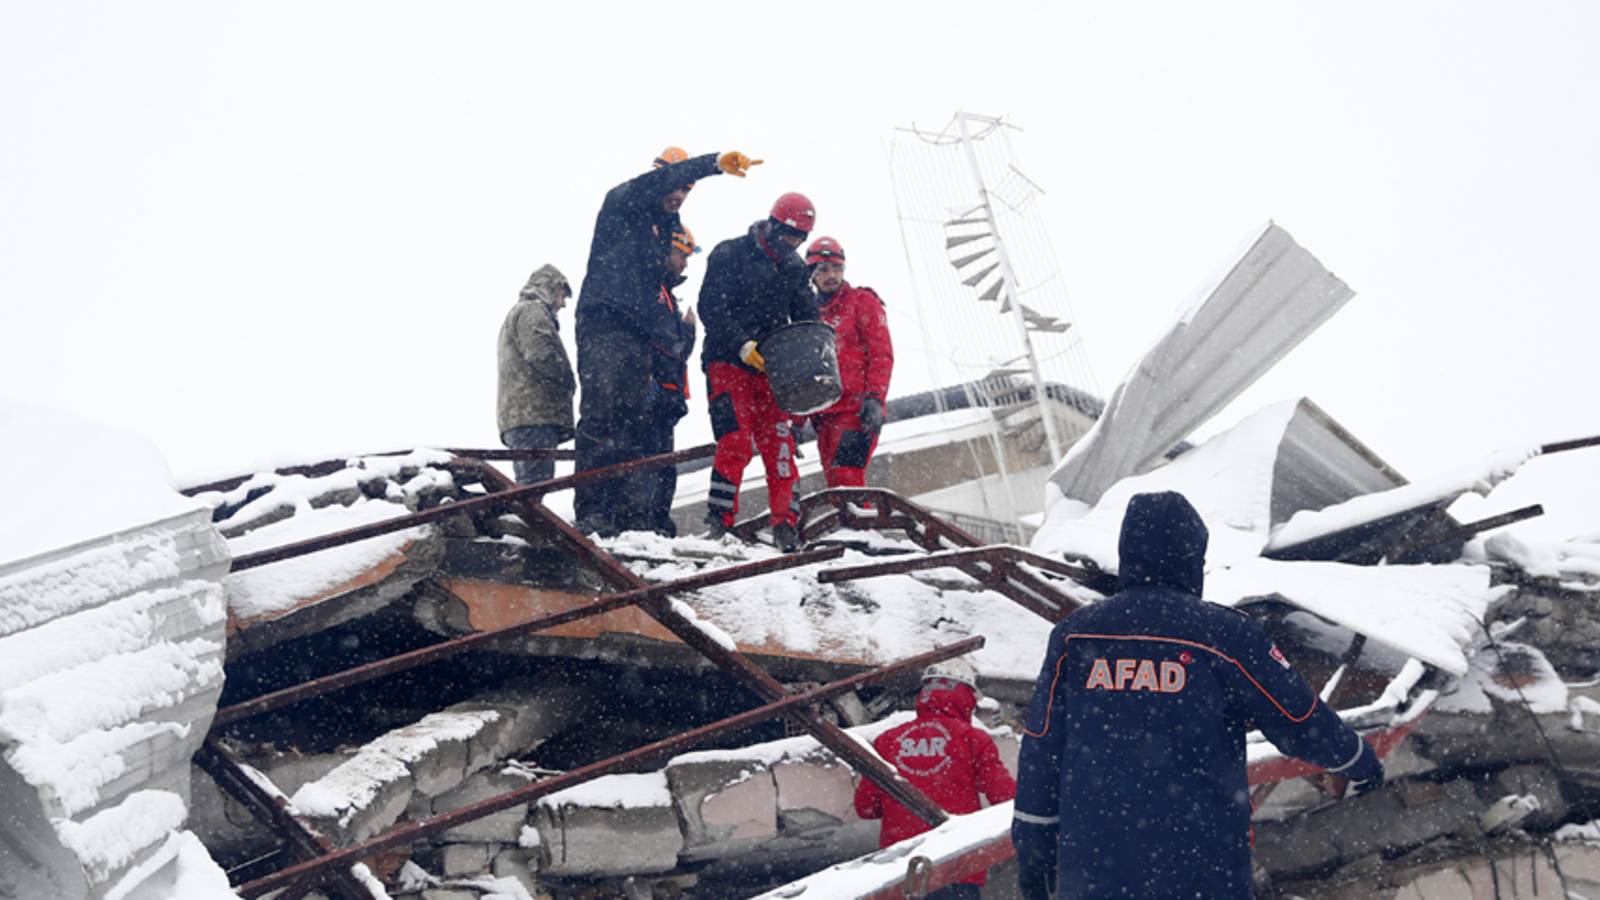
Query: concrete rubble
x,y
1474,790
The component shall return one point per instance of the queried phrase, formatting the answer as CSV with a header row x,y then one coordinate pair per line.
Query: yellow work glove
x,y
752,357
735,163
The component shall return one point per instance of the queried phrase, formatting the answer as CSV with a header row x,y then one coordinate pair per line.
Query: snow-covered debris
x,y
875,621
355,784
1480,478
1429,612
111,644
271,510
866,875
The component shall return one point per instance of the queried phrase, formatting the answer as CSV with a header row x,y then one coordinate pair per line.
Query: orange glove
x,y
752,357
735,163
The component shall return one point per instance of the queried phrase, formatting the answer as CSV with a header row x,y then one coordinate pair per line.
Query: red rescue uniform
x,y
943,755
866,362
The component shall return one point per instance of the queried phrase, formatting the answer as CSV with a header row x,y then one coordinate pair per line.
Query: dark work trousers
x,y
533,437
614,426
662,423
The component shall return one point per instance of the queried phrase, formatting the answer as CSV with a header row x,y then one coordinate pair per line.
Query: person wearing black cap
x,y
754,285
671,346
1131,780
617,314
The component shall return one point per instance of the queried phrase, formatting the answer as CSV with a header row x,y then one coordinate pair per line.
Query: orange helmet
x,y
824,249
669,156
683,241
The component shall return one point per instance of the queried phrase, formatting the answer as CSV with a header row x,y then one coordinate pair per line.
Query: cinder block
x,y
724,800
458,860
584,841
504,826
826,789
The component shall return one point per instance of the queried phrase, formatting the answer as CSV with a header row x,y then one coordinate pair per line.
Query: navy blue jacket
x,y
628,256
754,285
1131,780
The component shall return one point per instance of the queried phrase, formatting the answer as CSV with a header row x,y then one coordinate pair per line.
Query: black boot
x,y
785,537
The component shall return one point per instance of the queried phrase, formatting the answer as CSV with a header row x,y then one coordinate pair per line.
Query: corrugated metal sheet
x,y
1271,300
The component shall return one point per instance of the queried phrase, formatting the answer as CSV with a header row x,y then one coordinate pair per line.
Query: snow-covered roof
x,y
1429,612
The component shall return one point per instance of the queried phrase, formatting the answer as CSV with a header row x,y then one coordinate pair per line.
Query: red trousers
x,y
846,449
745,419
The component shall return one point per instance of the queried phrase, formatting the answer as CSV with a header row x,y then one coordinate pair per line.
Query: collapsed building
x,y
435,688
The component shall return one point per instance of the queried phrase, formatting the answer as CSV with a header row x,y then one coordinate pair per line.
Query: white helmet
x,y
957,669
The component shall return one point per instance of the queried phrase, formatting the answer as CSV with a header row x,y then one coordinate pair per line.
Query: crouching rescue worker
x,y
847,432
1132,777
754,285
943,755
617,316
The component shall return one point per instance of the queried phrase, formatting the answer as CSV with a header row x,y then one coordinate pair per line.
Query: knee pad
x,y
855,450
723,419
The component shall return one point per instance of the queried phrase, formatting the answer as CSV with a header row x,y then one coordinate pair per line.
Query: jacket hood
x,y
955,700
1163,543
545,284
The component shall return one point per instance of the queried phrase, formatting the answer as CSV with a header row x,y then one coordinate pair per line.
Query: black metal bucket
x,y
803,367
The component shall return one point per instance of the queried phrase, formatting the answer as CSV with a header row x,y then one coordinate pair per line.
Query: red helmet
x,y
795,211
824,249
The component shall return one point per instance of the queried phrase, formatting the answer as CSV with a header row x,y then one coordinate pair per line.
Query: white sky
x,y
291,230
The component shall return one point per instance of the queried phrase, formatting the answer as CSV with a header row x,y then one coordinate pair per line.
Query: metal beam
x,y
731,662
272,810
625,762
359,674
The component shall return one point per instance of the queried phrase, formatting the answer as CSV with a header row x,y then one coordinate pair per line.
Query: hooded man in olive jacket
x,y
536,383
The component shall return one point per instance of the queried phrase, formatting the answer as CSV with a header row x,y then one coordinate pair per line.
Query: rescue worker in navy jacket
x,y
618,313
754,285
672,345
1131,780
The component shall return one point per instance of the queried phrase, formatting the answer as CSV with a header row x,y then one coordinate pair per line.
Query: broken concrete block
x,y
518,863
459,860
1538,782
724,800
581,828
504,826
370,790
1580,864
828,790
1451,882
1326,838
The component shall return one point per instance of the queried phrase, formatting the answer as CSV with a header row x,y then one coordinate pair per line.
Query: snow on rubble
x,y
111,641
1430,612
879,620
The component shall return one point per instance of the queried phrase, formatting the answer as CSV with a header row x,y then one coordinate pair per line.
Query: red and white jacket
x,y
943,755
866,355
